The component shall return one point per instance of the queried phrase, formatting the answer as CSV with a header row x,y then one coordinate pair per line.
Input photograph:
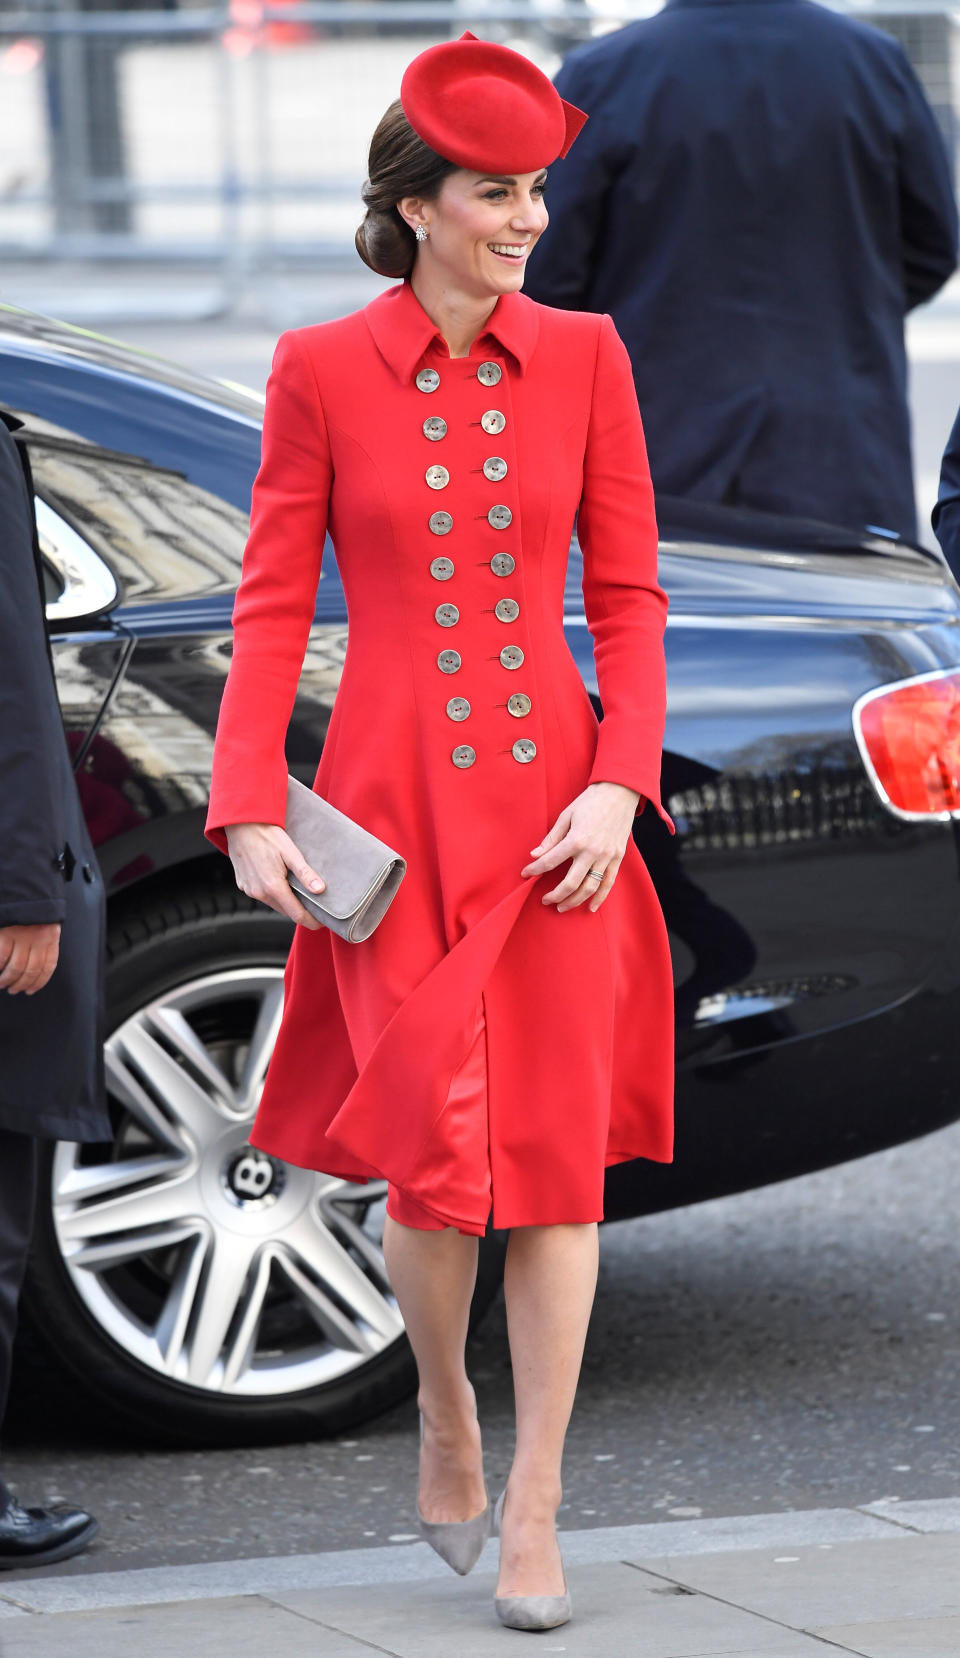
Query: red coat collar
x,y
403,331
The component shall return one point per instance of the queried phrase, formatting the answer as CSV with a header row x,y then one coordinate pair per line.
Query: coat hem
x,y
633,1155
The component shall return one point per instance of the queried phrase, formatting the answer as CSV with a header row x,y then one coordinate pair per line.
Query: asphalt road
x,y
796,1347
790,1348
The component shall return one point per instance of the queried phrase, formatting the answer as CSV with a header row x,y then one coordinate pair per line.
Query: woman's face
x,y
480,229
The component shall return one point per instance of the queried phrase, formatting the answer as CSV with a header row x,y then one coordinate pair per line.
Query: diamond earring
x,y
420,233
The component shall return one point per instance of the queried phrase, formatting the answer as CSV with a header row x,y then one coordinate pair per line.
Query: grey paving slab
x,y
941,1515
618,1610
900,1638
740,1531
908,1576
243,1627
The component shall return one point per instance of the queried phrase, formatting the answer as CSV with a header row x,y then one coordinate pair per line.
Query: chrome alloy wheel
x,y
202,1258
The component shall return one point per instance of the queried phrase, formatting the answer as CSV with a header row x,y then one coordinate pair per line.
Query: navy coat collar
x,y
403,332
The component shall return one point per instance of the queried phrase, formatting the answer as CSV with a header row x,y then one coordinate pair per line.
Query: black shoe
x,y
38,1536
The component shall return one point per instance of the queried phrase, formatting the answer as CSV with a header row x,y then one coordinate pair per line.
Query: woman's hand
x,y
593,831
261,854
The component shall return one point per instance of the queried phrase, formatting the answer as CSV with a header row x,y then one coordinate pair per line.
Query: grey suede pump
x,y
530,1611
458,1542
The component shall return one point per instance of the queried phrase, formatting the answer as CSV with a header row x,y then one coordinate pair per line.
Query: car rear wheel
x,y
205,1291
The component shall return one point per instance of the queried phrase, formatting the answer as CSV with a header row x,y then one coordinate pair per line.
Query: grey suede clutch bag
x,y
362,874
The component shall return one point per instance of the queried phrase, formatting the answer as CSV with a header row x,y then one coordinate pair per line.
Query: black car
x,y
202,1290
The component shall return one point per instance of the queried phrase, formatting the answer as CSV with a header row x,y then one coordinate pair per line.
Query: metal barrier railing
x,y
236,133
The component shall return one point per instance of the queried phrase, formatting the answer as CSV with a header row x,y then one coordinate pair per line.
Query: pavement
x,y
880,1581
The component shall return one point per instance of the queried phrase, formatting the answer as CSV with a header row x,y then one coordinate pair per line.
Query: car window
x,y
163,537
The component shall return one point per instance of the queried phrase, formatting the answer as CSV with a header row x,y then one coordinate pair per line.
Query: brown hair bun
x,y
400,164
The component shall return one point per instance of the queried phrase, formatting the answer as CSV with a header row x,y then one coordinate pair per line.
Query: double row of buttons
x,y
518,705
441,523
494,468
505,610
492,421
502,564
488,374
450,662
523,750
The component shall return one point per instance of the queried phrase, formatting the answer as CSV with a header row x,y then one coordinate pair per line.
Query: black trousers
x,y
18,1196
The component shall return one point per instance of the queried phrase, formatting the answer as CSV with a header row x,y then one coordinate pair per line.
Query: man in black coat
x,y
51,957
759,196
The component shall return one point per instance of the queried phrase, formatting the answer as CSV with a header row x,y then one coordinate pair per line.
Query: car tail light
x,y
909,737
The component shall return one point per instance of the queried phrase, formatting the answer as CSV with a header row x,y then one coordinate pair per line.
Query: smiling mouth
x,y
506,251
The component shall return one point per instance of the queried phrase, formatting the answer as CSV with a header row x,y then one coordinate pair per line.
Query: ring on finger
x,y
594,875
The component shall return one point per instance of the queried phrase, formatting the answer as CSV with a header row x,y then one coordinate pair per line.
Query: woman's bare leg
x,y
433,1275
550,1281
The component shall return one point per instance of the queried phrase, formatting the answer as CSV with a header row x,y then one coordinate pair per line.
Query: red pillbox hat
x,y
486,107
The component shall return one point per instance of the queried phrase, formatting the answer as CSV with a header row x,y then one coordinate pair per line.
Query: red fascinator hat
x,y
486,107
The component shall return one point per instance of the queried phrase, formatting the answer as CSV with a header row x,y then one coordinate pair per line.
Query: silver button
x,y
493,422
434,428
519,704
500,517
437,477
511,656
440,523
449,661
441,569
428,379
488,374
463,756
506,610
447,615
458,708
503,564
495,469
524,750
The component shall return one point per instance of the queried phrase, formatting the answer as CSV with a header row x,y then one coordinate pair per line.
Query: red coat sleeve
x,y
276,599
626,608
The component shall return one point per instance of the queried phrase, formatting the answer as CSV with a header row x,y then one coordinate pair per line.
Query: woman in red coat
x,y
506,1032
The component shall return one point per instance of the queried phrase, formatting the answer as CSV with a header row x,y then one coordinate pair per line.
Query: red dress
x,y
480,1047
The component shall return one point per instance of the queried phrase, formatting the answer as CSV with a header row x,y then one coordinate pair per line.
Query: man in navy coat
x,y
760,195
946,513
